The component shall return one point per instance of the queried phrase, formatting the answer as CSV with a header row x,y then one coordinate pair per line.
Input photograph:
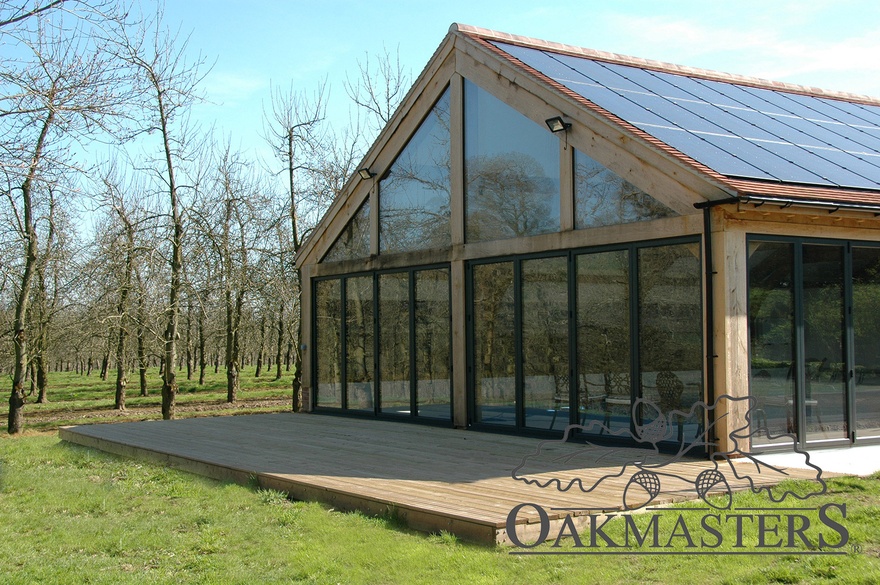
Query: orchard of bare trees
x,y
132,239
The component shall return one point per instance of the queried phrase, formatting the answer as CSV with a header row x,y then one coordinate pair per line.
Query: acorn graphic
x,y
648,484
713,479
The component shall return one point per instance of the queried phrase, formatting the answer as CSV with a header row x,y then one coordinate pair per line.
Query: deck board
x,y
432,478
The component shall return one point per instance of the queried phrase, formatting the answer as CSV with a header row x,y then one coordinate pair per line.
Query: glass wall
x,y
414,195
394,343
545,344
511,171
328,342
388,352
494,358
354,241
603,198
824,407
866,332
526,310
670,336
359,336
431,348
771,338
603,341
813,332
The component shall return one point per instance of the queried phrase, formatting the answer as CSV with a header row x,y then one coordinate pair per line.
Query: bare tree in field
x,y
170,85
380,87
45,300
227,216
120,199
293,129
64,88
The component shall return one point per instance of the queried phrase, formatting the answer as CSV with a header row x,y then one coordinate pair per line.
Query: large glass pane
x,y
604,198
354,241
545,342
671,337
603,341
494,352
394,343
359,342
866,326
771,339
328,343
414,196
434,390
825,390
511,171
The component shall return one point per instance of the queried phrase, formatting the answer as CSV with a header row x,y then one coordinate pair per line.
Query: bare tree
x,y
380,88
170,85
294,131
65,90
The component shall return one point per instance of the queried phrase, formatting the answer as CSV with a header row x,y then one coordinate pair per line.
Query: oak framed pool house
x,y
544,234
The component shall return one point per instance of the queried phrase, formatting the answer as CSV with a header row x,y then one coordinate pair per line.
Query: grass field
x,y
78,399
73,515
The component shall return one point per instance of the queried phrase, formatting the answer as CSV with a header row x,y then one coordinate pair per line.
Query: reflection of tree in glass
x,y
670,333
414,196
328,322
359,341
604,198
354,241
494,333
545,341
394,343
603,314
508,196
432,334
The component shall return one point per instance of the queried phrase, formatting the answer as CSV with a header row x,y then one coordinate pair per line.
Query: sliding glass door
x,y
814,325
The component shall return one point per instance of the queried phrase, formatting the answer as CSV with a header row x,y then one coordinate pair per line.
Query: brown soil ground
x,y
108,414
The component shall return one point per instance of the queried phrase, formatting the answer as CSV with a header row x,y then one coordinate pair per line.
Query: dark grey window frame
x,y
635,364
377,383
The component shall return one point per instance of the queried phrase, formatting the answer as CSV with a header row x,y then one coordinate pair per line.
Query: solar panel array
x,y
736,130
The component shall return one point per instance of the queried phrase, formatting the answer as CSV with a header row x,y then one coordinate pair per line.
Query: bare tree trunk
x,y
19,337
232,347
280,340
42,379
189,344
122,310
262,346
105,361
141,334
203,362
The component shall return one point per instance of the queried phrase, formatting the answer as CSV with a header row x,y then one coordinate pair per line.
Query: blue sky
x,y
833,44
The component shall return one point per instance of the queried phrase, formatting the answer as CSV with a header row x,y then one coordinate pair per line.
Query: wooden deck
x,y
432,478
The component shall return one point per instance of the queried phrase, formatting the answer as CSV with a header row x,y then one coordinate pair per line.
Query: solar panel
x,y
734,129
810,121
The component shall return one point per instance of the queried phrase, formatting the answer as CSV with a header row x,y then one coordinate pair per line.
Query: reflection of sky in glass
x,y
511,168
414,197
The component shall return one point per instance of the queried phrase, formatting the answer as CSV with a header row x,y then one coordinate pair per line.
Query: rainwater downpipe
x,y
710,309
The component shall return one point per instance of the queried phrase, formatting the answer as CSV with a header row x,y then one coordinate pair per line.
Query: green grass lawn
x,y
79,399
74,515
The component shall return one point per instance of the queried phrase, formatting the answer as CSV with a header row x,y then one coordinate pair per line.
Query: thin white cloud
x,y
761,50
232,88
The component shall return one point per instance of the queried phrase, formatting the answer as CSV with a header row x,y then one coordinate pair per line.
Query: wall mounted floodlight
x,y
365,174
557,124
